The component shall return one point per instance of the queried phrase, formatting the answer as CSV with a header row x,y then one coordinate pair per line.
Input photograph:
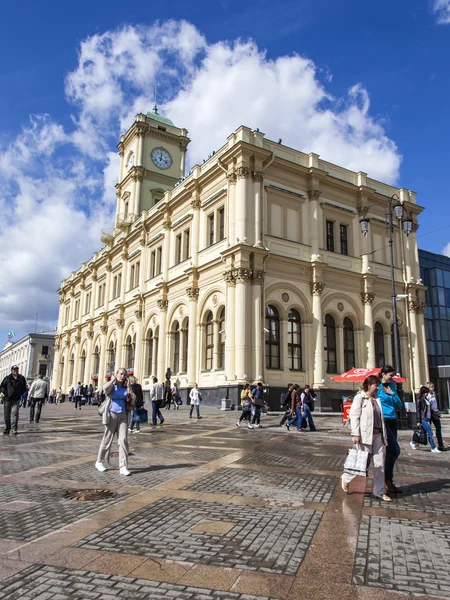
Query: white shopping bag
x,y
357,461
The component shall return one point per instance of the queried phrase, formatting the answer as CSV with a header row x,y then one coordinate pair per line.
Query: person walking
x,y
78,393
37,393
369,432
285,404
196,398
424,415
59,395
258,403
157,398
176,396
136,388
168,394
12,387
436,415
246,404
120,399
296,409
89,393
307,400
390,401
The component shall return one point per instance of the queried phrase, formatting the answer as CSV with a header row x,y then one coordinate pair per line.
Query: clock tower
x,y
152,160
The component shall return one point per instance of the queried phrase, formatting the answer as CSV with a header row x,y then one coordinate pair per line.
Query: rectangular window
x,y
330,236
137,273
187,244
344,239
87,303
131,277
77,310
178,249
211,230
159,261
221,224
44,350
101,294
66,318
153,264
43,370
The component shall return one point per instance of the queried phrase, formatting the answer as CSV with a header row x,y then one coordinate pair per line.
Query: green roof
x,y
156,117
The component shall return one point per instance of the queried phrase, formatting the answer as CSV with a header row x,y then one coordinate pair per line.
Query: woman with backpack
x,y
246,404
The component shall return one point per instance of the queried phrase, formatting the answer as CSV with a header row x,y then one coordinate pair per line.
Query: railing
x,y
107,236
124,221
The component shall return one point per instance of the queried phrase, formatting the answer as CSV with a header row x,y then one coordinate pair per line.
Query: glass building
x,y
435,274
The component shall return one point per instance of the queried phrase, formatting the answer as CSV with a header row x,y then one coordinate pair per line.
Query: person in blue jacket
x,y
390,402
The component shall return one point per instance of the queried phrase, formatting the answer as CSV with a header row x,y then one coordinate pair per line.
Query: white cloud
x,y
57,186
441,8
446,250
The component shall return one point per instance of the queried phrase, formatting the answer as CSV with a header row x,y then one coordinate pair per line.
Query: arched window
x,y
71,366
209,340
149,353
96,360
184,358
129,355
176,347
330,345
379,345
349,345
272,338
111,360
82,364
61,371
221,364
294,341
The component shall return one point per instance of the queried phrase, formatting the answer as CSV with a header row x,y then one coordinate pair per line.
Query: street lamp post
x,y
396,209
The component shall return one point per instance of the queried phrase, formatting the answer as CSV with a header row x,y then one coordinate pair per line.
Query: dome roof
x,y
156,117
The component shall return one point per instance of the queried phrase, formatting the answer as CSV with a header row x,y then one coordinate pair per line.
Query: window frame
x,y
329,234
209,341
273,340
349,344
329,349
292,345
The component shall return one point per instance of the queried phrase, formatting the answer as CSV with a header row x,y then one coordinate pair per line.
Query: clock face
x,y
130,161
161,158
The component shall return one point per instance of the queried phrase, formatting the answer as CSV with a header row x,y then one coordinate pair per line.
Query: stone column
x,y
229,325
241,204
102,362
424,373
138,351
55,377
195,204
107,286
119,348
242,363
314,222
163,306
316,290
232,178
216,338
192,293
167,225
123,288
64,383
340,348
257,187
94,288
182,342
88,366
415,347
155,354
369,339
257,326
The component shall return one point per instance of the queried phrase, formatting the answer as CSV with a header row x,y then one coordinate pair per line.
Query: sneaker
x,y
13,431
383,498
238,424
414,446
287,426
344,485
6,432
199,417
100,467
436,451
137,431
442,448
250,426
124,471
130,430
161,422
393,489
260,426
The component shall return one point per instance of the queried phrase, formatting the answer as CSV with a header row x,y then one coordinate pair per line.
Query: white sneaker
x,y
124,471
250,426
414,446
436,451
137,431
129,429
100,467
260,426
238,424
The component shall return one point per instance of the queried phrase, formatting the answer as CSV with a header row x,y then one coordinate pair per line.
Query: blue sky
x,y
363,84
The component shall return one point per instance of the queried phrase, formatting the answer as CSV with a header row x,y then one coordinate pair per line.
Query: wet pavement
x,y
214,512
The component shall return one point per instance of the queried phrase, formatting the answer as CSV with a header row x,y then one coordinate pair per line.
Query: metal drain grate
x,y
89,495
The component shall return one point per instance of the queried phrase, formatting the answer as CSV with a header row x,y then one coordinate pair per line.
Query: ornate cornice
x,y
317,287
367,297
313,194
163,304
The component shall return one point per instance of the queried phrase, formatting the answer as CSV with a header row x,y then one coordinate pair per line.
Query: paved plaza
x,y
214,512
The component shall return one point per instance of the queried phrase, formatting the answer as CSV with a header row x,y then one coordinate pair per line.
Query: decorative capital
x,y
138,314
90,334
67,342
120,323
57,345
167,223
243,172
109,267
77,339
124,253
138,173
257,276
62,300
367,297
232,177
121,147
104,329
242,275
313,194
183,144
317,287
192,292
94,276
229,277
163,304
83,284
415,306
195,203
258,176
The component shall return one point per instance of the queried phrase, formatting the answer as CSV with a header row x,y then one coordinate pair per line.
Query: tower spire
x,y
155,108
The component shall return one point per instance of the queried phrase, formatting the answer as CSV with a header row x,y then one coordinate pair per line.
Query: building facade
x,y
435,273
33,354
252,267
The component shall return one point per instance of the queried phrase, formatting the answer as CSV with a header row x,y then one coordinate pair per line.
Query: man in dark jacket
x,y
13,386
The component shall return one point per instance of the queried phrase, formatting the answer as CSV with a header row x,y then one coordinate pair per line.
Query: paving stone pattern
x,y
423,496
283,487
328,463
403,555
19,461
52,512
54,583
265,539
180,453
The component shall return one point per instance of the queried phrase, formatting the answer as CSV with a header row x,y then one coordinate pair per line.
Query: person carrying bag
x,y
369,437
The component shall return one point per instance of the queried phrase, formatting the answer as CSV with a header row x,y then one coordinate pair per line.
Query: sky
x,y
365,85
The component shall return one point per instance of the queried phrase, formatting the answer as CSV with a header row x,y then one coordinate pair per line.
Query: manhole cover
x,y
88,495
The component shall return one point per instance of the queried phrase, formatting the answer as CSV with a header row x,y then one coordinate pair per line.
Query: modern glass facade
x,y
435,274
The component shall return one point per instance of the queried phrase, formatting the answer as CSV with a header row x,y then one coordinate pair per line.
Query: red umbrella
x,y
355,375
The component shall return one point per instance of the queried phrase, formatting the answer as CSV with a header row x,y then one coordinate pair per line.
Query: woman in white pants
x,y
368,430
116,422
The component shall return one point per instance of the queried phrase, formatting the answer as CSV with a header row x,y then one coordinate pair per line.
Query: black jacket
x,y
422,409
137,391
13,387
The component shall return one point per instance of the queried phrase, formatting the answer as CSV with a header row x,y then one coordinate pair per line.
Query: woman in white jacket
x,y
195,397
368,431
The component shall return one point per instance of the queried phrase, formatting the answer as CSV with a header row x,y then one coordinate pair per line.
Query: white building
x,y
33,354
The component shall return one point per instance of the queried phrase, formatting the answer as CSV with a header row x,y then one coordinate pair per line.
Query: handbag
x,y
357,461
420,436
